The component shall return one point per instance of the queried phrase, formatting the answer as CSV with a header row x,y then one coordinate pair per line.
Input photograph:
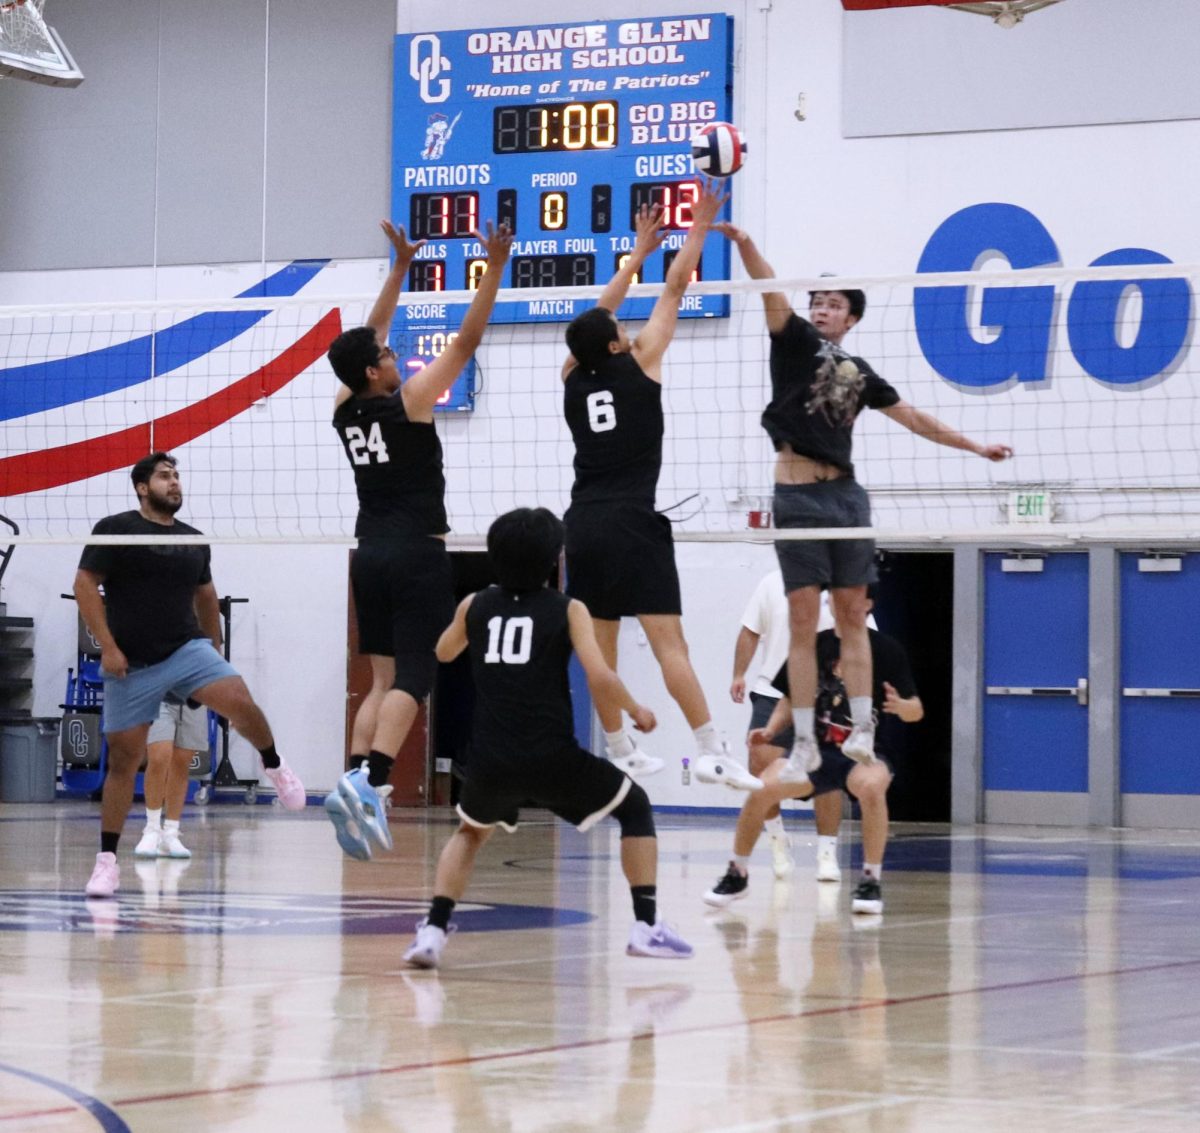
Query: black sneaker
x,y
868,897
731,887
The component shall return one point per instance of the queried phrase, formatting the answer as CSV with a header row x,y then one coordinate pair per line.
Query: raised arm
x,y
384,311
648,240
606,687
454,637
927,426
651,344
423,389
775,303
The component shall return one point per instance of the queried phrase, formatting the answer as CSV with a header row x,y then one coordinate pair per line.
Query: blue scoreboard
x,y
561,131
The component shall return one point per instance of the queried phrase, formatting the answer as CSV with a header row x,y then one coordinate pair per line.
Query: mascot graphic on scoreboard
x,y
437,134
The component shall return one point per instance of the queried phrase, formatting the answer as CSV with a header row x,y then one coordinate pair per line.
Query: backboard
x,y
30,49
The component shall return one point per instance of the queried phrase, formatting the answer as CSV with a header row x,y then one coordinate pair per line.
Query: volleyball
x,y
718,150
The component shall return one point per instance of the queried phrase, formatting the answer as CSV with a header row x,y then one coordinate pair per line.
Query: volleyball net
x,y
1088,374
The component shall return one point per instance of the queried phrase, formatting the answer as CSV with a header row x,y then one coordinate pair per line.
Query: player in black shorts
x,y
817,391
400,573
520,635
895,694
620,555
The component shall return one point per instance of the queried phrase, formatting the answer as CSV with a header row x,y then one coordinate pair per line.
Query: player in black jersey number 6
x,y
620,555
520,635
400,573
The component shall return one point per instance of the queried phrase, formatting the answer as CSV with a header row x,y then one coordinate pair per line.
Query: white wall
x,y
817,202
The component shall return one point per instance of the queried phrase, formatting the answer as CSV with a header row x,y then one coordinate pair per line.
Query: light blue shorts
x,y
135,699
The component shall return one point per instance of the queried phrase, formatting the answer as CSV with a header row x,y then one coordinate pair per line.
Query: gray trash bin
x,y
28,759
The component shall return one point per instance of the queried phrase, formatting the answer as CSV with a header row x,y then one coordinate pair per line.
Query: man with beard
x,y
158,625
817,392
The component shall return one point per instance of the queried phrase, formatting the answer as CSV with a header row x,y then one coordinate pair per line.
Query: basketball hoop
x,y
31,50
1003,13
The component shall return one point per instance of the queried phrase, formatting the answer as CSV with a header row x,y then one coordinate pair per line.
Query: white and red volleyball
x,y
718,150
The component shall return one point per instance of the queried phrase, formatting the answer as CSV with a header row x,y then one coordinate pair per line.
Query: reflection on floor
x,y
1019,979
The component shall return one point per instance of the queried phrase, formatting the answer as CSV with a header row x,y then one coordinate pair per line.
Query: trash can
x,y
28,759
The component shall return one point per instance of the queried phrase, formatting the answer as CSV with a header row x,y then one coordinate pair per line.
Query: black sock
x,y
645,903
357,761
440,909
108,842
270,757
380,768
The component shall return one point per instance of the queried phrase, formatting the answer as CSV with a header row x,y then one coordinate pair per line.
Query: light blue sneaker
x,y
366,806
660,941
349,831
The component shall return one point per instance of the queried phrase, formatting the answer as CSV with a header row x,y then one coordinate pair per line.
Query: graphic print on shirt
x,y
837,386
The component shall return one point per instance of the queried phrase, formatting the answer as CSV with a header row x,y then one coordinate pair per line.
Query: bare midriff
x,y
792,468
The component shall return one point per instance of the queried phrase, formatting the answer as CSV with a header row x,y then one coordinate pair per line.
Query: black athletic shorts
x,y
835,770
573,783
403,595
621,560
834,563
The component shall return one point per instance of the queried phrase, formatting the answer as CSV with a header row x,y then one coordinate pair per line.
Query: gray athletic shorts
x,y
761,708
185,727
831,563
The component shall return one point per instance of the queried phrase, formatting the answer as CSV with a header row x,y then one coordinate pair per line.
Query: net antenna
x,y
1005,13
32,50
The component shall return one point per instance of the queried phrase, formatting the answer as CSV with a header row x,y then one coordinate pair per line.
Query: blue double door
x,y
1042,629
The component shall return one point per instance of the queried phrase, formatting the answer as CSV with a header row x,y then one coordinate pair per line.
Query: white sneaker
x,y
106,877
827,865
426,950
169,846
781,855
714,767
637,764
805,757
860,744
148,846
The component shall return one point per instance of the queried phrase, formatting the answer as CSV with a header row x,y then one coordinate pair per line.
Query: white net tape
x,y
1087,374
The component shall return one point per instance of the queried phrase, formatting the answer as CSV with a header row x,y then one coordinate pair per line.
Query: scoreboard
x,y
561,131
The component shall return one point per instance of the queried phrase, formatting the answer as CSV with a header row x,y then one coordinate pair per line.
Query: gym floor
x,y
1020,978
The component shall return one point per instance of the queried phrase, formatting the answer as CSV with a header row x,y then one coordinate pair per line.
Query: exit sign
x,y
1033,506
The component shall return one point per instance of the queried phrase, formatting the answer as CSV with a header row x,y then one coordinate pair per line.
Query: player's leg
x,y
160,741
804,611
623,748
179,761
125,750
869,784
761,757
827,811
713,762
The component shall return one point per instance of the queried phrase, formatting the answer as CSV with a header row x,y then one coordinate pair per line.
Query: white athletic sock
x,y
154,818
873,869
861,711
827,842
774,826
743,864
618,743
802,722
708,741
171,826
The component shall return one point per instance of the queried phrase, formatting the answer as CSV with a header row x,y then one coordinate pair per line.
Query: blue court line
x,y
25,390
105,1117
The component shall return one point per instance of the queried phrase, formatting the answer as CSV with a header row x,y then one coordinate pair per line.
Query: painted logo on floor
x,y
266,914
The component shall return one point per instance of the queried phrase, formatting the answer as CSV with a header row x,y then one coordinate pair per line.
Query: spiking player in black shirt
x,y
400,573
620,555
520,636
817,391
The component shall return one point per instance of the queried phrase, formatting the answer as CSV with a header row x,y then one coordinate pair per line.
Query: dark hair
x,y
523,547
856,299
589,334
144,469
351,353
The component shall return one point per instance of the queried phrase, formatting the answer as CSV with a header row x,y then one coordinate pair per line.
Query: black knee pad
x,y
414,674
635,814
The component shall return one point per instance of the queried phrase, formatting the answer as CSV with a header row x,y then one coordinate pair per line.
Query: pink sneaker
x,y
287,786
106,877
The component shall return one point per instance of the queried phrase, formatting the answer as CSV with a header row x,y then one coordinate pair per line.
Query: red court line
x,y
613,1040
66,464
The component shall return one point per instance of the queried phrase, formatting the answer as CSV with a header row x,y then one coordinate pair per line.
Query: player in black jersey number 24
x,y
520,636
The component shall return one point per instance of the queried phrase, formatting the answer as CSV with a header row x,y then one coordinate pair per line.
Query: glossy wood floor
x,y
1020,979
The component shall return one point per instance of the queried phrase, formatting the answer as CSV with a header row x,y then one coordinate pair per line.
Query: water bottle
x,y
687,771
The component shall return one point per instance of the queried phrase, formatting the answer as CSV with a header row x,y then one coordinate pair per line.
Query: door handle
x,y
1079,691
1174,693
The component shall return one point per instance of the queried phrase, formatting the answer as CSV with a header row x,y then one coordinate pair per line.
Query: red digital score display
x,y
676,199
450,215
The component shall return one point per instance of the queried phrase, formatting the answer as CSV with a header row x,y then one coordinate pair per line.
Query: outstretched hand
x,y
731,231
498,243
400,243
649,226
712,198
995,452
